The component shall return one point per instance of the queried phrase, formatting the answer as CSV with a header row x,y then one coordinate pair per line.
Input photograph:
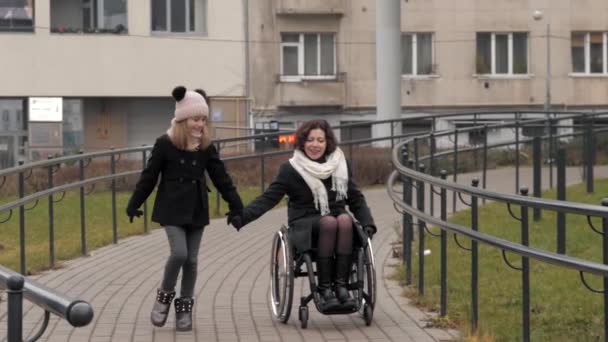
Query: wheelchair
x,y
286,264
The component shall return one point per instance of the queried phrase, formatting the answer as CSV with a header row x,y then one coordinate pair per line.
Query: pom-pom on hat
x,y
188,104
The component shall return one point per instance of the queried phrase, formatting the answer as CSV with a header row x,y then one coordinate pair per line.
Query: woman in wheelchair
x,y
319,185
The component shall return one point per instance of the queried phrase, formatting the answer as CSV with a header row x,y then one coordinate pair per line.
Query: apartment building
x,y
95,74
317,58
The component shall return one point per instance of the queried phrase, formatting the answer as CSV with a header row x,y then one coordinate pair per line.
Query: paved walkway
x,y
232,290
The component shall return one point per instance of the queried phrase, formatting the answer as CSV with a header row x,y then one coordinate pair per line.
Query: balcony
x,y
308,7
313,92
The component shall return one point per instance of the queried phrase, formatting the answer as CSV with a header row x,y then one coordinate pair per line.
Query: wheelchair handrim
x,y
278,274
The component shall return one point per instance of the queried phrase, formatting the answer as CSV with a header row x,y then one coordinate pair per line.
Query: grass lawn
x,y
562,309
67,236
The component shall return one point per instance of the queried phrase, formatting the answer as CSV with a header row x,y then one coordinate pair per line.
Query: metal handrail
x,y
433,116
539,254
77,312
563,206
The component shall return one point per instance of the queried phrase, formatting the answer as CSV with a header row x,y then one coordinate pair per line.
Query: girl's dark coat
x,y
181,199
302,216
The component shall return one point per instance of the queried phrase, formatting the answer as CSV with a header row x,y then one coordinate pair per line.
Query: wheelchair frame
x,y
285,266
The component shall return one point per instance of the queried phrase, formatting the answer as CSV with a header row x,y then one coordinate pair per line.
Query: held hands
x,y
235,219
133,213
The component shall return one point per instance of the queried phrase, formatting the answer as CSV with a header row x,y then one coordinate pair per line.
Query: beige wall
x,y
135,64
454,24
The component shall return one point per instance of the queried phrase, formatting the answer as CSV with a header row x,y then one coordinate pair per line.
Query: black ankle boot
x,y
161,307
324,273
183,313
343,268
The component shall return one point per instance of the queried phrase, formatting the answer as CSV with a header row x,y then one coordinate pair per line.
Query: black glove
x,y
133,213
370,231
235,219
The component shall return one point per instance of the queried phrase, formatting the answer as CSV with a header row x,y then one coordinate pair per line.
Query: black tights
x,y
335,228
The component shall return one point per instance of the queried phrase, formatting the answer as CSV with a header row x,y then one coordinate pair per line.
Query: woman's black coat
x,y
302,215
181,198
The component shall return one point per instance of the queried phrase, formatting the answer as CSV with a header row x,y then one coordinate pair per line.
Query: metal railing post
x,y
15,308
590,148
114,222
525,275
484,175
83,234
551,154
432,172
416,153
536,170
420,205
51,217
561,195
22,221
406,232
474,259
444,249
516,156
605,260
455,169
409,199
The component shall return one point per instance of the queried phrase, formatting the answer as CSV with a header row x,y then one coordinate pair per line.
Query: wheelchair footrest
x,y
340,310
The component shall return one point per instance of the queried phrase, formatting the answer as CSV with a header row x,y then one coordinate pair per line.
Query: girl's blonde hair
x,y
178,133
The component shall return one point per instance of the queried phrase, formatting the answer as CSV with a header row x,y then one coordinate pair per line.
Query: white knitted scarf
x,y
313,172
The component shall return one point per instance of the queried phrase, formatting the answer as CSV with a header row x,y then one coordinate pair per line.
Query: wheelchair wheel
x,y
303,315
281,277
368,276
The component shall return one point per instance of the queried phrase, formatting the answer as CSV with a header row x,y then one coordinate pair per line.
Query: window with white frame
x,y
502,53
179,16
417,54
308,55
589,52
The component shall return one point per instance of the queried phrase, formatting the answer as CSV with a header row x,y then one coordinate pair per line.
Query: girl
x,y
182,156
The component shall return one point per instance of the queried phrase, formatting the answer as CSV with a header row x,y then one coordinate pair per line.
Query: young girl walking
x,y
180,157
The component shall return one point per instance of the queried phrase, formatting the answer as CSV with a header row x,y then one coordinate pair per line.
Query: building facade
x,y
317,57
95,74
92,74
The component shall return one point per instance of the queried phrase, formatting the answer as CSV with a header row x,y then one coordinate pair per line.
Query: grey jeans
x,y
184,243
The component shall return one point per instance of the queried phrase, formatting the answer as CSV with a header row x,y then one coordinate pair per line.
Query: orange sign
x,y
287,139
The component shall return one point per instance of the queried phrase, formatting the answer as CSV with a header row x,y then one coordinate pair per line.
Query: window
x,y
89,16
179,16
502,53
589,51
308,55
16,15
417,54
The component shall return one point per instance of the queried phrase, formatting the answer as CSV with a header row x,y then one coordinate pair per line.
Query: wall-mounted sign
x,y
46,109
217,115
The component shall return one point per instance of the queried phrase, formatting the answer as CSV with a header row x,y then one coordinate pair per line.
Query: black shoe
x,y
343,268
324,272
183,313
161,307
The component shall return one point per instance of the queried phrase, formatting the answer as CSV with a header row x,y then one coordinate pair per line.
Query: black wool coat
x,y
302,216
181,199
